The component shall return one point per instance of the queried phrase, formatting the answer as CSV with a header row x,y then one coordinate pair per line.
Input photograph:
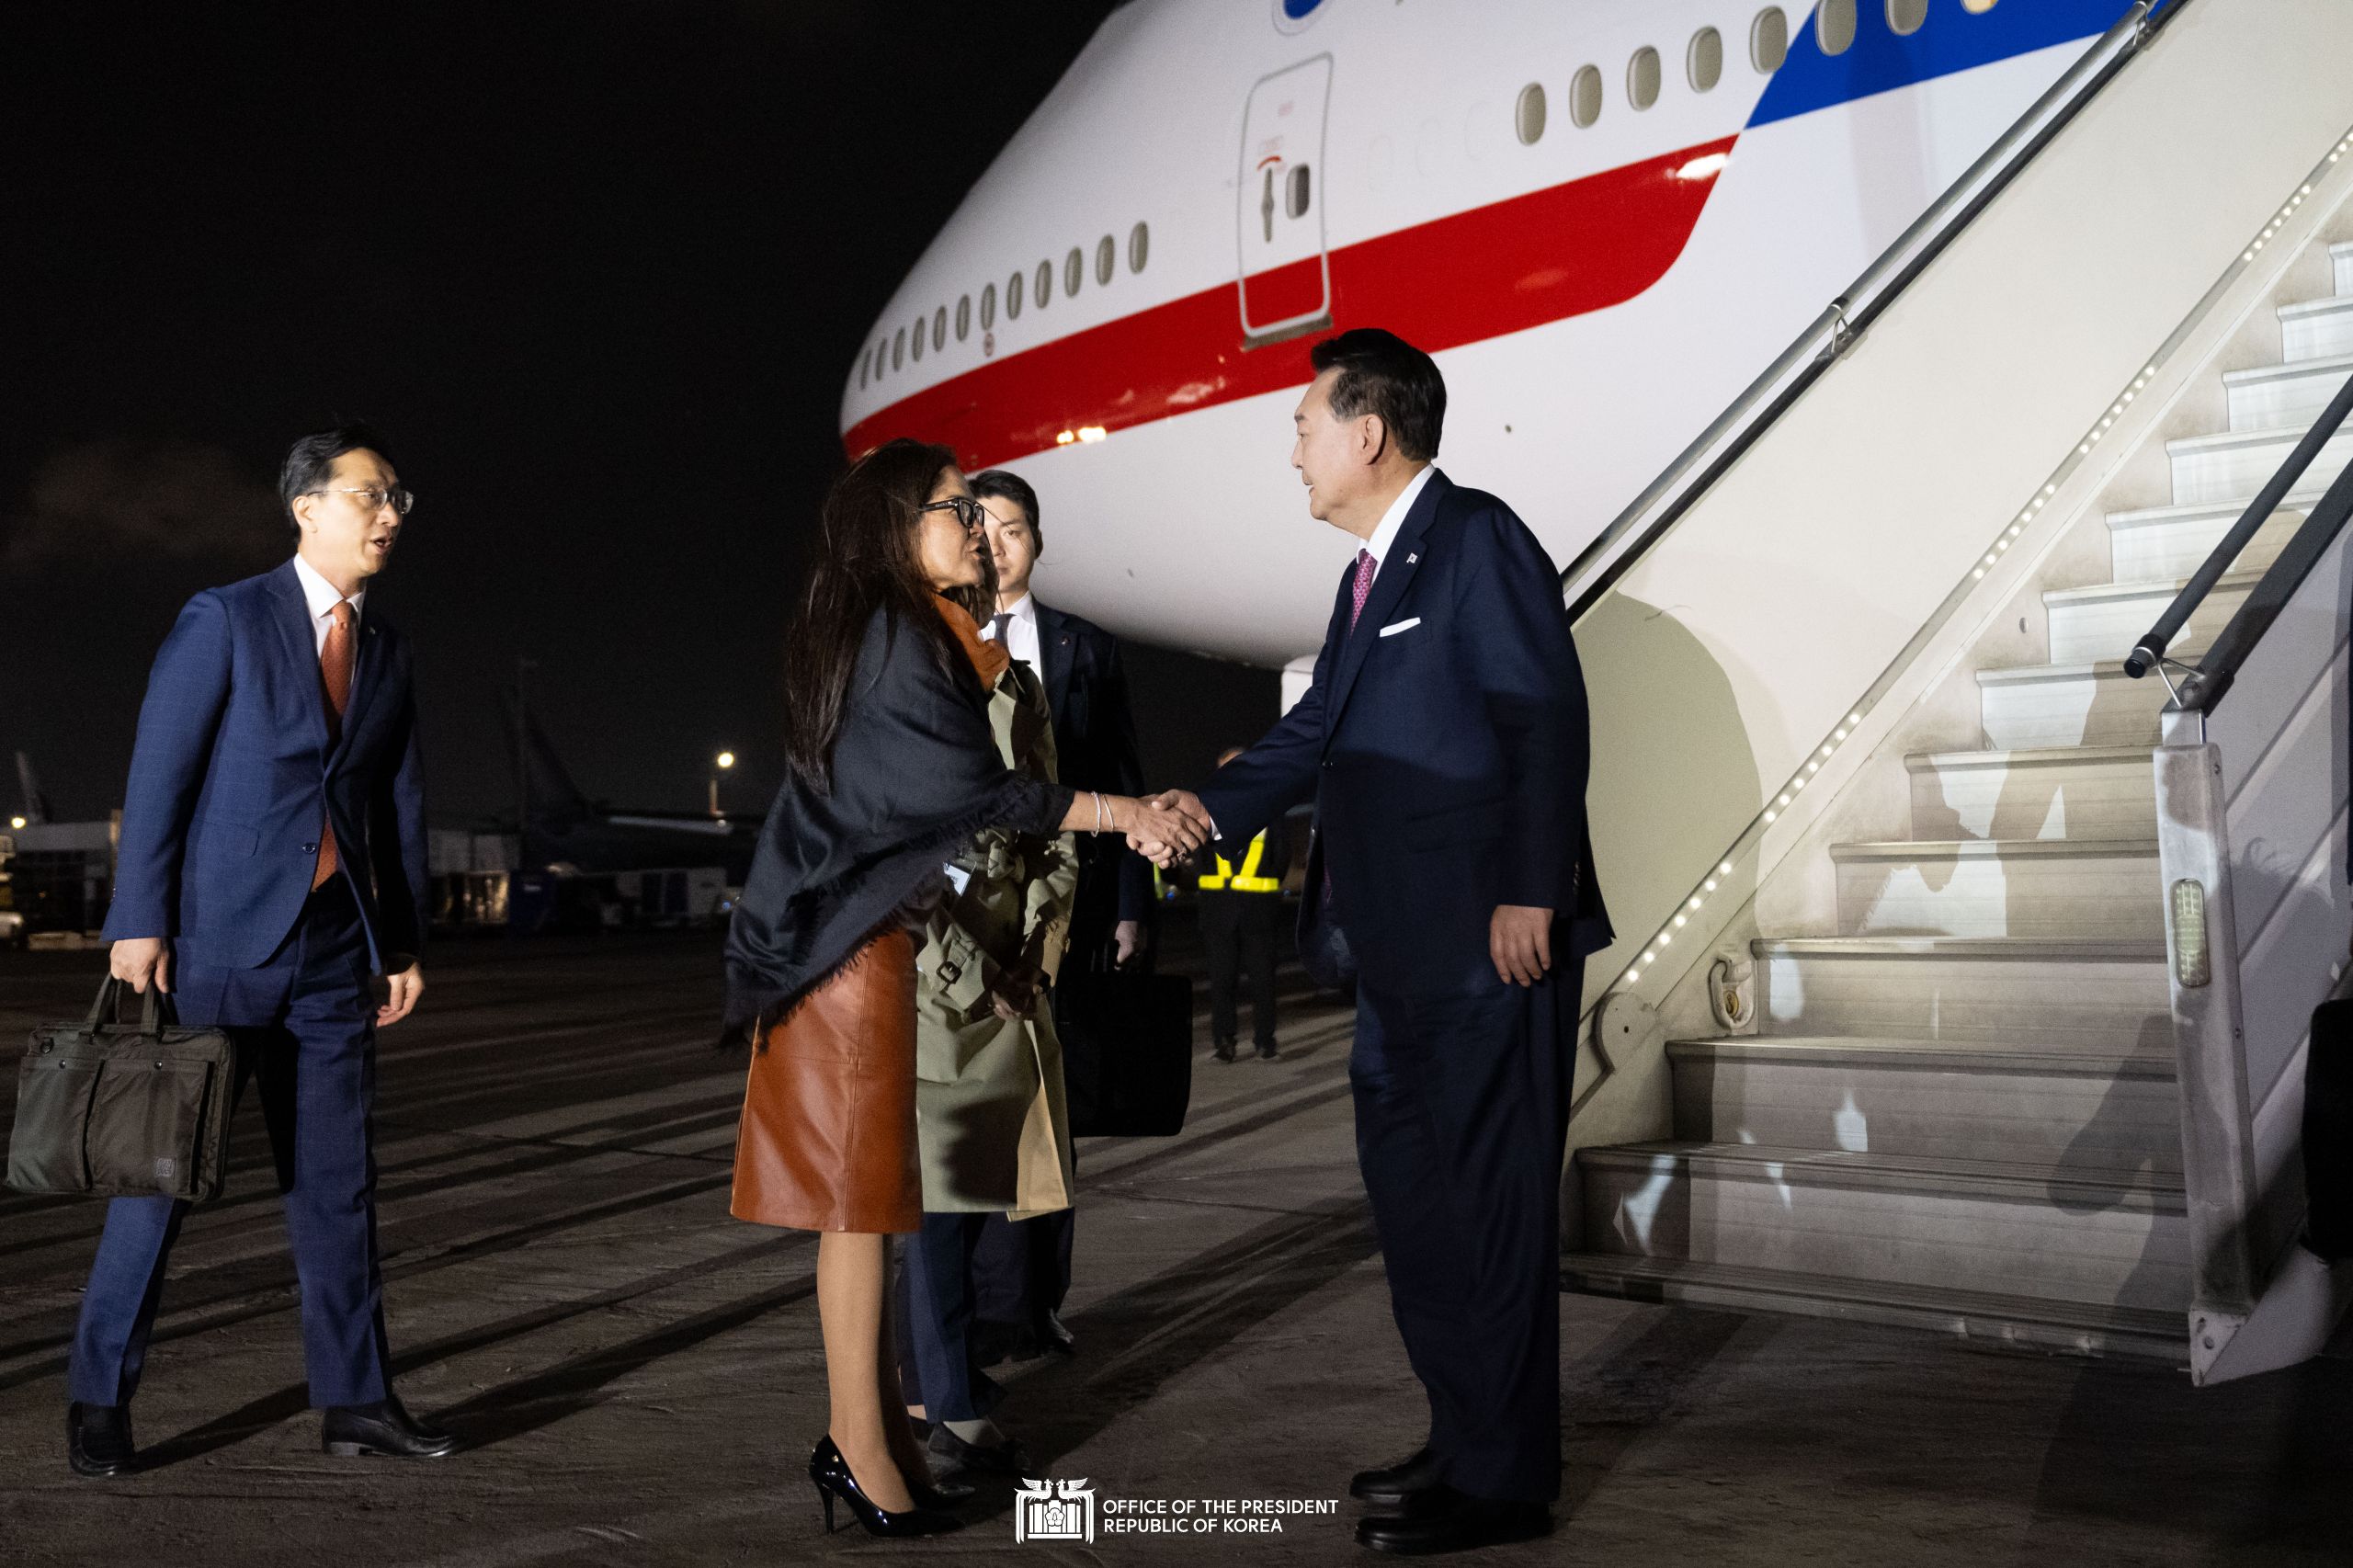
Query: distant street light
x,y
725,760
19,821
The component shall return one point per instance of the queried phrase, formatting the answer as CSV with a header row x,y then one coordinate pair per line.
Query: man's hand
x,y
1519,938
402,992
1128,942
138,959
1165,827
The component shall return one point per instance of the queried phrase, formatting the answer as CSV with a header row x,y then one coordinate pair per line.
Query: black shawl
x,y
915,775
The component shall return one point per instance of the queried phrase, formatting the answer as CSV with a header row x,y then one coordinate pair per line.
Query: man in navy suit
x,y
1444,741
272,868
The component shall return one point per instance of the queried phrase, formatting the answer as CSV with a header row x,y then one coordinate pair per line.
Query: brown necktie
x,y
334,673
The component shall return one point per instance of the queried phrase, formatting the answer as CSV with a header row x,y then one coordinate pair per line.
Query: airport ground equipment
x,y
2034,947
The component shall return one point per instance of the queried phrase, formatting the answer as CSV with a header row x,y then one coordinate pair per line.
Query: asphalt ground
x,y
638,1378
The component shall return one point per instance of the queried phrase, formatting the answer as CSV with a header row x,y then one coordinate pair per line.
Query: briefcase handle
x,y
152,1007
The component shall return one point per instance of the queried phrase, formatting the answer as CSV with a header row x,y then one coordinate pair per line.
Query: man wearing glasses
x,y
271,880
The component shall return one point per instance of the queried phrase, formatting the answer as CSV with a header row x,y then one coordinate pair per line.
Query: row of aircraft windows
x,y
895,349
1703,59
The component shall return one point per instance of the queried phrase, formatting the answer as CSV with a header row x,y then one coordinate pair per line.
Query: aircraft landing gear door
x,y
1286,275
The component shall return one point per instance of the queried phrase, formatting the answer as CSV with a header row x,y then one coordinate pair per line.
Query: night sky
x,y
595,270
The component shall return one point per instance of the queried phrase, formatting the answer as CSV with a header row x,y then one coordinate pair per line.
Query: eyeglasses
x,y
968,512
398,498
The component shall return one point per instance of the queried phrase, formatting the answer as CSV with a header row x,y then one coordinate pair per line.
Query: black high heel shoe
x,y
830,1472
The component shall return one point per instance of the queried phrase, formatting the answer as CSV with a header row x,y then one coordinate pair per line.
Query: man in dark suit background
x,y
1023,1270
272,869
1444,741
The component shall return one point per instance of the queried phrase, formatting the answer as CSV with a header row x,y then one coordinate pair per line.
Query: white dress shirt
x,y
1385,536
1019,626
320,595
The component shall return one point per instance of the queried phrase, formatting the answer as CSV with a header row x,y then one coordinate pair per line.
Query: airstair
x,y
1968,1056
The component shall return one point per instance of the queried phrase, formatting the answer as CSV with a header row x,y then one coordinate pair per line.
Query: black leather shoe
x,y
384,1429
98,1440
1057,1334
1396,1488
1223,1051
1446,1520
958,1456
1267,1051
829,1471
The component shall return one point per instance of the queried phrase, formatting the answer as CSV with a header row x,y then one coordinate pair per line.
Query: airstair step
x,y
2066,1233
2317,329
2087,993
2235,464
2105,620
2285,397
2171,542
2075,792
2094,704
2105,1108
1979,1316
1991,887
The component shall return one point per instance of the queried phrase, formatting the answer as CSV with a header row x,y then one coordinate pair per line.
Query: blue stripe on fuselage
x,y
1953,39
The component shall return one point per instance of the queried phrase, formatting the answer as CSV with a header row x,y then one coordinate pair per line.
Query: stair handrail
x,y
1843,322
2200,690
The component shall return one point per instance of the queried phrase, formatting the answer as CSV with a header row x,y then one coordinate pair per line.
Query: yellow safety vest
x,y
1247,879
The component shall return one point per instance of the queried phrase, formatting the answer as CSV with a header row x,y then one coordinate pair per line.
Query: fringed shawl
x,y
915,773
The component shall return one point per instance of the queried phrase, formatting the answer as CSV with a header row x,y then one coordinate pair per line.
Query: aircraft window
x,y
899,348
963,318
1529,119
1904,17
1044,286
1107,261
1642,78
1139,247
882,352
1297,191
1013,297
939,328
865,364
1977,7
1834,26
988,307
1073,271
1705,60
918,343
1768,39
1584,96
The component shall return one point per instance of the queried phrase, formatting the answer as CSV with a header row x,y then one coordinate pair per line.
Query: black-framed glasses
x,y
968,512
398,497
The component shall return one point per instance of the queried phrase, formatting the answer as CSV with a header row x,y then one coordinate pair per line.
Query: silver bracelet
x,y
1098,809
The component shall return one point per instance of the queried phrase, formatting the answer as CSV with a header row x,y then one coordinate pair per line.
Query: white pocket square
x,y
1395,627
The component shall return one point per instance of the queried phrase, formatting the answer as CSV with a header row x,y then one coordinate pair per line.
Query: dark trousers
x,y
305,1026
1238,930
1021,1267
938,1313
1463,1111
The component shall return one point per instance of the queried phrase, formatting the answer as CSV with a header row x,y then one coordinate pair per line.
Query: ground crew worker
x,y
1241,909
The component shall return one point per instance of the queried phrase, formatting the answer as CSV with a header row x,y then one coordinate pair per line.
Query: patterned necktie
x,y
335,675
1366,567
997,624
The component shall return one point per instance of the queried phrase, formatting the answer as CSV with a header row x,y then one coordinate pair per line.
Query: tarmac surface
x,y
637,1376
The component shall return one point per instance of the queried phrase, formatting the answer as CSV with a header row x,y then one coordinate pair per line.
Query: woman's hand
x,y
1164,828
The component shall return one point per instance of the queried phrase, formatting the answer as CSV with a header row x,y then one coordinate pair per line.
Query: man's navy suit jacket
x,y
234,772
1445,743
1094,734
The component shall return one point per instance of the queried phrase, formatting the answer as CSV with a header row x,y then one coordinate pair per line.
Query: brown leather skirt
x,y
828,1137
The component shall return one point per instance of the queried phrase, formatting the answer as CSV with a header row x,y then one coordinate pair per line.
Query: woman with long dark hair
x,y
893,768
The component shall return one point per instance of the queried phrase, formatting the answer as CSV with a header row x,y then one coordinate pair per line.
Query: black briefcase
x,y
2328,1131
1127,1053
107,1110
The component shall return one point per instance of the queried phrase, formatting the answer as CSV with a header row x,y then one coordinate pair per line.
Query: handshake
x,y
1166,827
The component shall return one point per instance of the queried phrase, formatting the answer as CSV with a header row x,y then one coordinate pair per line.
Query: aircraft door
x,y
1286,274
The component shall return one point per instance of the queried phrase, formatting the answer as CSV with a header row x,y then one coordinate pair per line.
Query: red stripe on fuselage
x,y
1504,267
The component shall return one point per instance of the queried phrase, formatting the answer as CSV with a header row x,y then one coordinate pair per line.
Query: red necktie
x,y
1366,567
335,675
